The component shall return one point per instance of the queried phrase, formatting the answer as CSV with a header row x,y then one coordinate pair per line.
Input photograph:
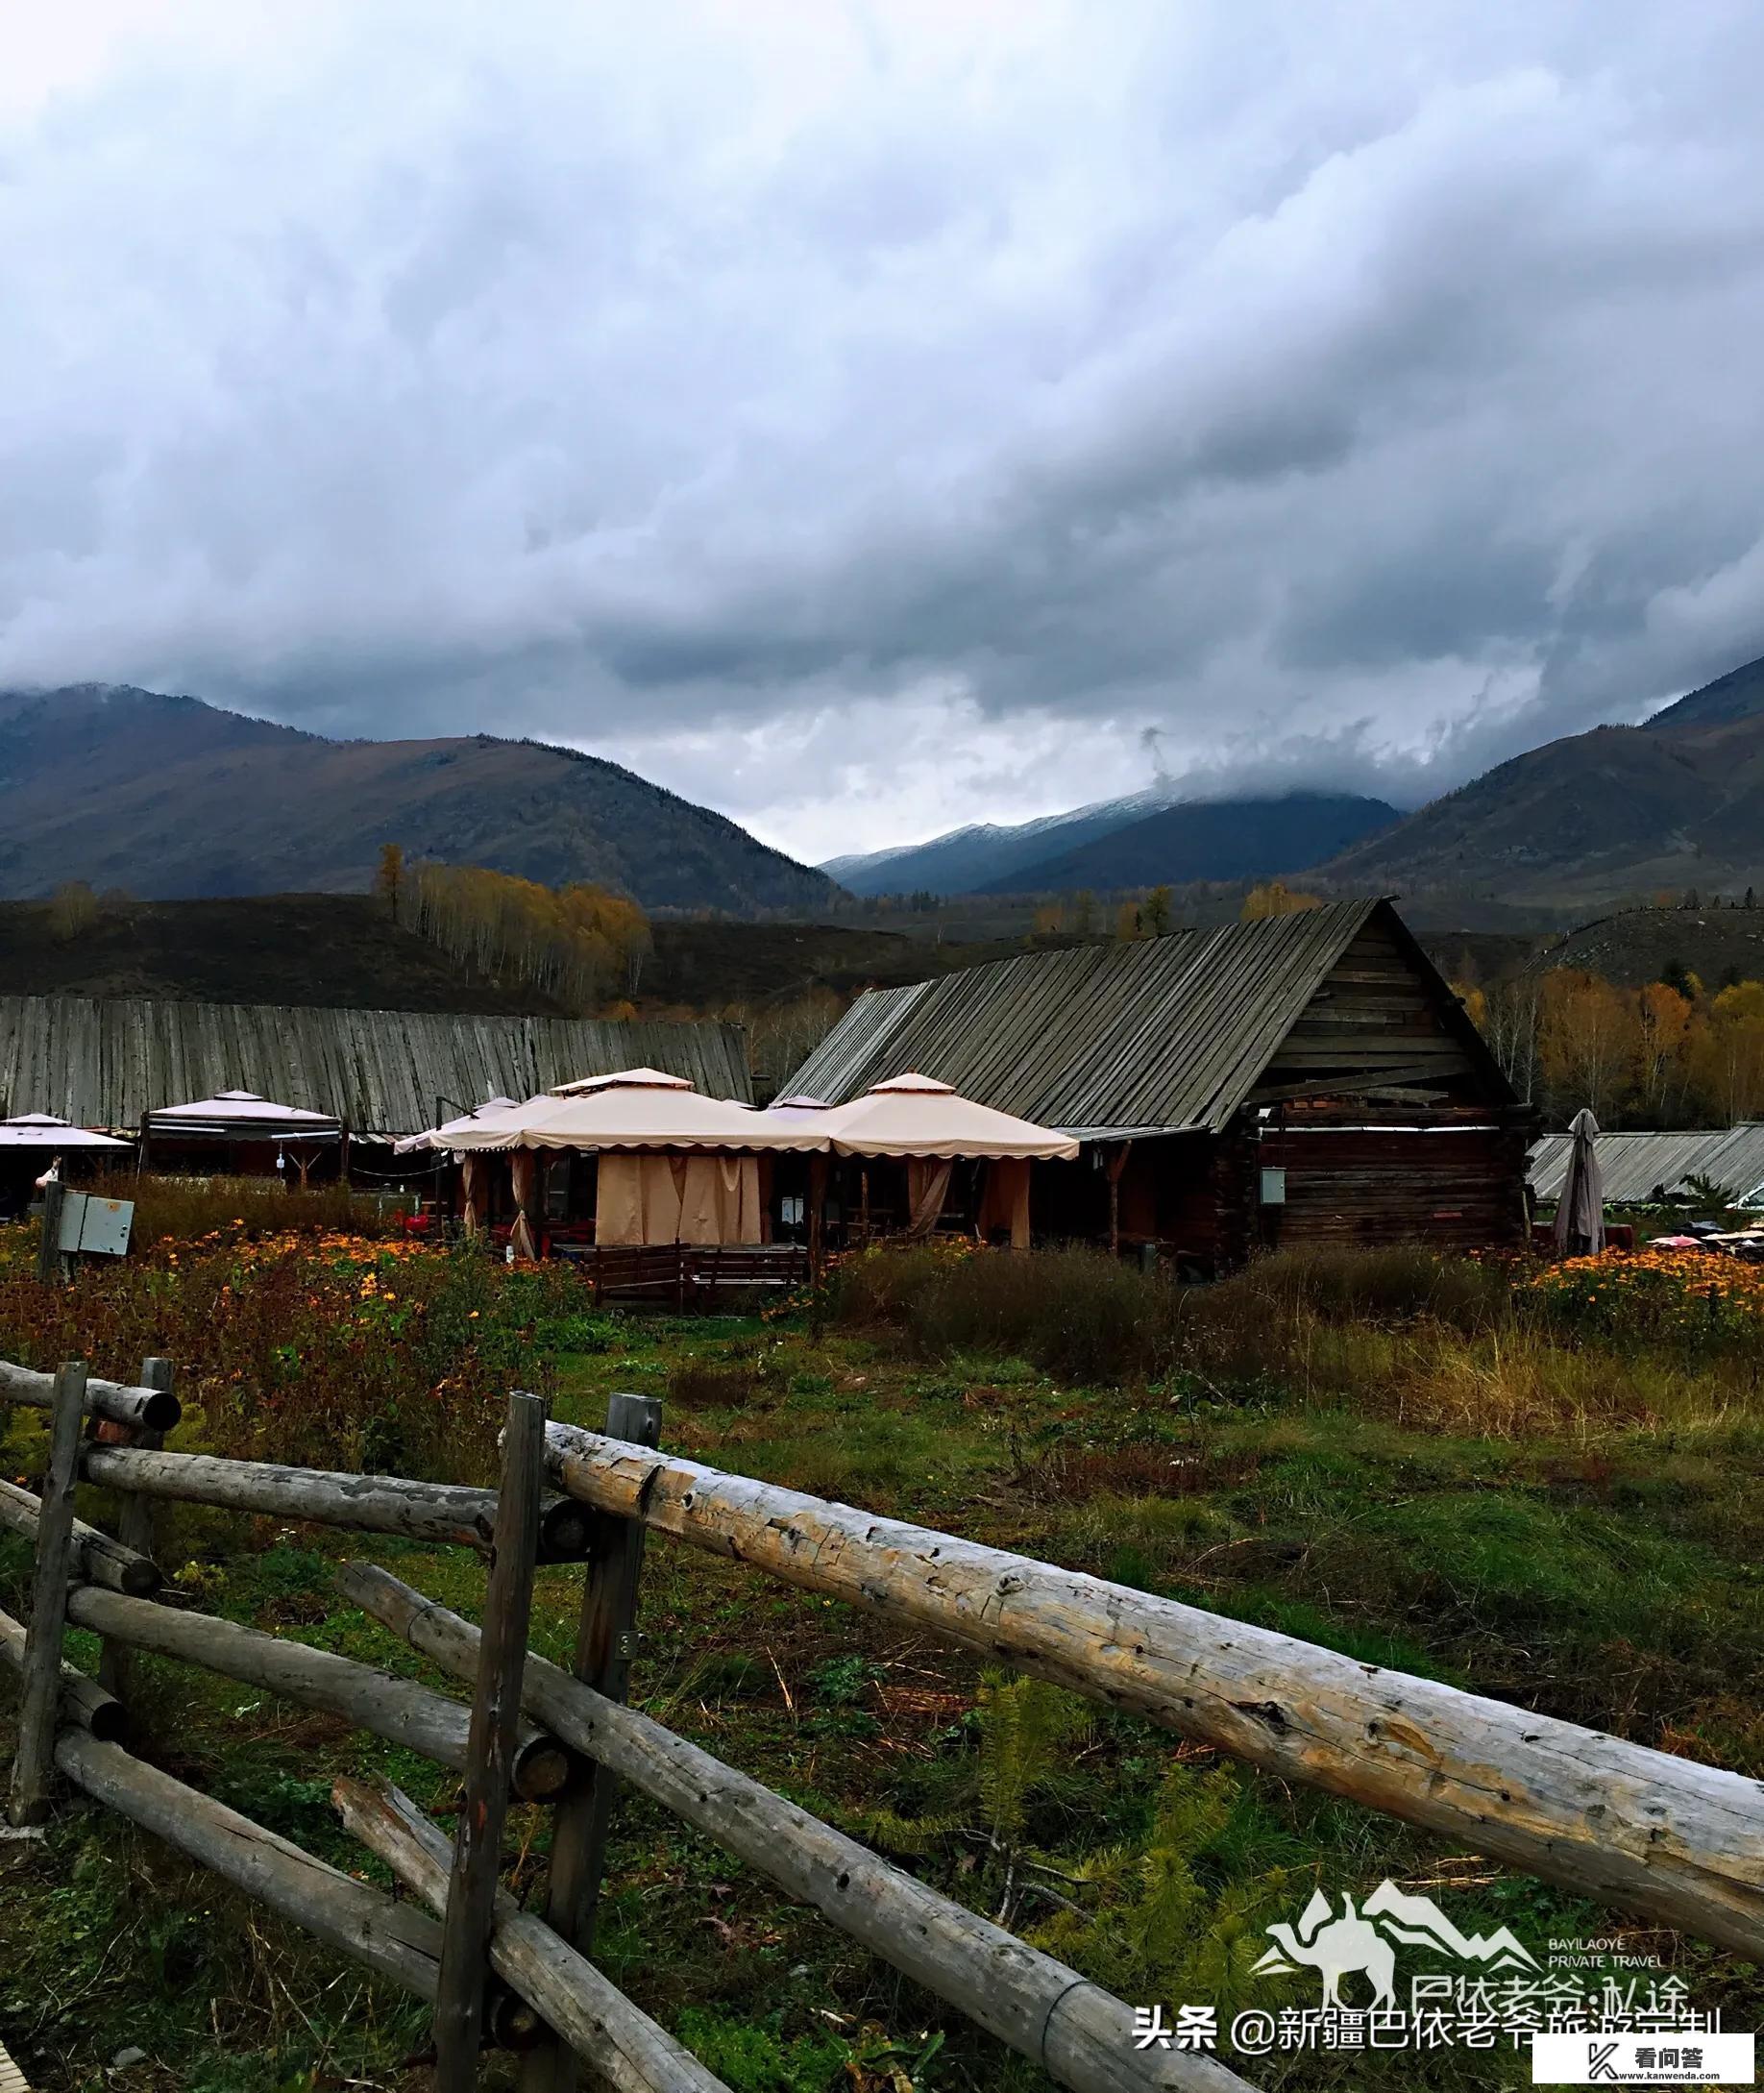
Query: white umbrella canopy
x,y
916,1115
1579,1212
39,1130
634,1108
241,1115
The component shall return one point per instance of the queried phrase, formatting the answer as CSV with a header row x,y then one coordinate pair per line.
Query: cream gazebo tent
x,y
243,1121
32,1145
39,1133
931,1126
674,1165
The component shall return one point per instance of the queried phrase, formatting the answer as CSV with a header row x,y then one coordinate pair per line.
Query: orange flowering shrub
x,y
1683,1298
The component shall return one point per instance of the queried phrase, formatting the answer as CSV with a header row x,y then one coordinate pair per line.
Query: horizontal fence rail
x,y
147,1409
451,1512
84,1700
96,1557
1614,1820
400,1710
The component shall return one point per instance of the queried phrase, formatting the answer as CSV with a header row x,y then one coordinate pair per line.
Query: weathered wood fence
x,y
1665,1837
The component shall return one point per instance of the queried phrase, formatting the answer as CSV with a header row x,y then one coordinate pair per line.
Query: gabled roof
x,y
107,1063
1635,1165
1166,1034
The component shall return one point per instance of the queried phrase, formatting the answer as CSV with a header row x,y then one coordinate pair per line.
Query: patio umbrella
x,y
1579,1212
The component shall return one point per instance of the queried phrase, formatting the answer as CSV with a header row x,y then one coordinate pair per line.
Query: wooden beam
x,y
364,1924
40,1683
605,1640
496,1713
452,1513
83,1700
93,1556
629,2051
114,1400
1071,2027
399,1710
1614,1820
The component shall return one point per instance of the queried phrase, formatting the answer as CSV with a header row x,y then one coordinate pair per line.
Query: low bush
x,y
1078,1315
331,1352
188,1209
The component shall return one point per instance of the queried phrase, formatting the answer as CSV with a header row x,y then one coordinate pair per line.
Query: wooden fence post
x,y
606,1643
135,1520
496,1714
40,1696
49,1265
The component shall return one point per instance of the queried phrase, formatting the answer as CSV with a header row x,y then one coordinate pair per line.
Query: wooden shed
x,y
1307,1078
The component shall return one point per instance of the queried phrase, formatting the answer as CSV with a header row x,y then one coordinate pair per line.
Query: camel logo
x,y
1364,1942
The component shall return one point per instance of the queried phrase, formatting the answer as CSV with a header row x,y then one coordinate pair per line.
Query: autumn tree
x,y
1274,898
73,910
1157,910
577,943
389,880
1727,1055
1664,1020
1588,1039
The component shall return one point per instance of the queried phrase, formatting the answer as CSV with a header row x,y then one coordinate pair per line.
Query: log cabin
x,y
1309,1078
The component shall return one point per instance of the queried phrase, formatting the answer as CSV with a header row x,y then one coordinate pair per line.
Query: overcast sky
x,y
869,418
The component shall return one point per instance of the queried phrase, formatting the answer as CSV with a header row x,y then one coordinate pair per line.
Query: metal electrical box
x,y
96,1227
1274,1188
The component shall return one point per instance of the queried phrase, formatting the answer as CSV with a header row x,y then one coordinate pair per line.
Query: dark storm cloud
x,y
870,421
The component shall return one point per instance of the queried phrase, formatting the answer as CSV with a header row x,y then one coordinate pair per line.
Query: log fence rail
x,y
1648,1831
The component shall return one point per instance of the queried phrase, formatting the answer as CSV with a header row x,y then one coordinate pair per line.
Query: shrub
x,y
1078,1315
188,1209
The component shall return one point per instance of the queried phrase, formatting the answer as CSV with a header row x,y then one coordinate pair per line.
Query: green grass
x,y
1611,1578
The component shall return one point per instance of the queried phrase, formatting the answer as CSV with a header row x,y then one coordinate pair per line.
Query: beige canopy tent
x,y
674,1165
442,1135
38,1132
930,1126
240,1118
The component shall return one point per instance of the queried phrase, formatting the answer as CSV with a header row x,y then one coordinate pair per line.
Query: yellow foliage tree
x,y
1588,1037
578,943
1274,898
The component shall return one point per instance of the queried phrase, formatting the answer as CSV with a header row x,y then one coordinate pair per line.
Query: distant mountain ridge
x,y
1147,839
170,797
973,859
1674,804
1209,839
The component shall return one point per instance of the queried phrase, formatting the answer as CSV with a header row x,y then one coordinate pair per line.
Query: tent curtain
x,y
927,1188
1004,1199
524,1172
472,1193
677,1198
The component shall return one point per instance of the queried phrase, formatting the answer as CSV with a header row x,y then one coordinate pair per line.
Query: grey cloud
x,y
1333,392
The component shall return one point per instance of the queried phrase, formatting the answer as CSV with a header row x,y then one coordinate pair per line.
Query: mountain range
x,y
1673,804
169,798
1150,838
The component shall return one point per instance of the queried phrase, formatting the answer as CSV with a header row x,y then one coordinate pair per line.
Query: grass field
x,y
1550,1493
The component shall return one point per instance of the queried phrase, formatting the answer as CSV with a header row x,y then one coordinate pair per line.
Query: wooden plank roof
x,y
1168,1033
107,1063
